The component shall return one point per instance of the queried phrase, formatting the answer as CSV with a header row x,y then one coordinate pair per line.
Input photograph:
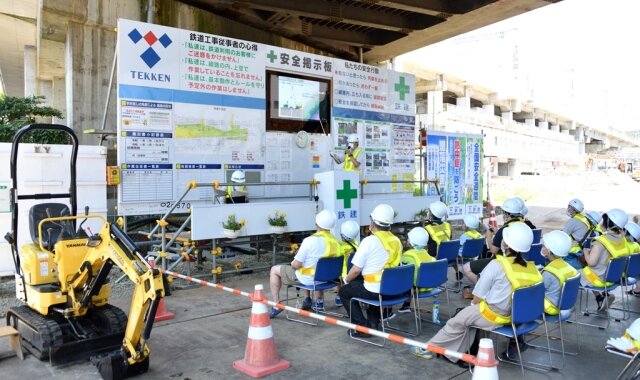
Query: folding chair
x,y
471,249
535,254
432,275
526,309
537,235
448,250
328,271
395,284
566,302
613,276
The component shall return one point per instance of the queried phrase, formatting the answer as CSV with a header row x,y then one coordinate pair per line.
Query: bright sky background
x,y
577,58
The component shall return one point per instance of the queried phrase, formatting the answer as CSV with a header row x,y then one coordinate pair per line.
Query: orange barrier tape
x,y
336,322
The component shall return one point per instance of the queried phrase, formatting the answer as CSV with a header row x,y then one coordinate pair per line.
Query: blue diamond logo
x,y
135,36
150,57
165,40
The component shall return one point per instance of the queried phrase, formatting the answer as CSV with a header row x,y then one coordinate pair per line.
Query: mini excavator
x,y
62,278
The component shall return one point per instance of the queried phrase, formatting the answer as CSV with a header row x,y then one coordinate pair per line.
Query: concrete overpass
x,y
64,49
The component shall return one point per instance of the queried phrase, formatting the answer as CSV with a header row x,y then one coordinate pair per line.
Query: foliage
x,y
278,220
422,214
15,113
233,224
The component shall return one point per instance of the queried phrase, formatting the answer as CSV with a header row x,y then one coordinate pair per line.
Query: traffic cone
x,y
486,367
162,314
492,216
260,356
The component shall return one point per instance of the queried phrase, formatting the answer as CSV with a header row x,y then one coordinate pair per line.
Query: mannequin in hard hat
x,y
555,247
350,233
633,241
351,154
577,227
610,245
237,193
471,226
491,304
417,238
302,268
380,250
512,213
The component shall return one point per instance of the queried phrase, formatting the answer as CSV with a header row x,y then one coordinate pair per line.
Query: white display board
x,y
192,106
41,172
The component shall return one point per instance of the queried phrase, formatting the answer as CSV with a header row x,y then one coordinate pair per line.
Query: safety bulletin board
x,y
192,106
456,161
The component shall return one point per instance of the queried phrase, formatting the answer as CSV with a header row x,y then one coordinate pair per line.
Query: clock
x,y
302,139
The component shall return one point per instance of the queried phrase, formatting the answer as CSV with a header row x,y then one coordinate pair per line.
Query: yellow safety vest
x,y
576,247
346,249
633,246
348,160
331,249
619,249
636,344
563,272
393,246
230,190
473,234
416,257
439,232
519,277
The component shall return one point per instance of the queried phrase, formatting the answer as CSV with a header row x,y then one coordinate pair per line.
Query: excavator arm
x,y
111,246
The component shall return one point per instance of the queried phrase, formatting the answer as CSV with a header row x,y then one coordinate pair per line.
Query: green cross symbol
x,y
401,88
272,56
347,193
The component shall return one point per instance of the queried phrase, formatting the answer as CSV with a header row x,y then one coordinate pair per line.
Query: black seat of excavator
x,y
52,231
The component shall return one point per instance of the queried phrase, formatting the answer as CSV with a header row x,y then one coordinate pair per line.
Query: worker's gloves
x,y
622,344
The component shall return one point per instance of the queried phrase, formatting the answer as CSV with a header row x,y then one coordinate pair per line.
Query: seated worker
x,y
630,341
633,241
418,238
471,225
302,268
491,304
350,233
437,227
577,227
555,247
351,154
603,248
512,209
376,252
237,193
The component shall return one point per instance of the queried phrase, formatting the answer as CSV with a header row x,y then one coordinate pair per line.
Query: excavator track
x,y
39,334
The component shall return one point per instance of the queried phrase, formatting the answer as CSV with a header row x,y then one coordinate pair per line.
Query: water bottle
x,y
435,312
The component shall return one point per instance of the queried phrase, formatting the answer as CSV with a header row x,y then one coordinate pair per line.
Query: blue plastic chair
x,y
537,235
328,271
448,250
471,249
535,255
526,309
630,279
395,285
431,275
613,274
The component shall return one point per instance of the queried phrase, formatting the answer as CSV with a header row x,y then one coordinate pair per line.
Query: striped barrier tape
x,y
337,322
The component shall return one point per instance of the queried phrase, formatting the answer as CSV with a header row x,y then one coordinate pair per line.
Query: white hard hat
x,y
617,217
353,138
471,221
418,237
326,219
350,230
558,242
634,330
594,217
518,236
520,202
383,215
634,230
237,176
513,205
524,211
438,209
577,204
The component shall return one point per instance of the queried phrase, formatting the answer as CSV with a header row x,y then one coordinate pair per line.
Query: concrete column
x,y
507,117
544,125
571,125
59,99
434,102
489,109
531,122
463,102
45,88
555,128
88,60
30,70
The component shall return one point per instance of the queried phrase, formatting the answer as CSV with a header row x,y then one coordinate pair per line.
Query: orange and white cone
x,y
260,357
492,216
162,314
486,364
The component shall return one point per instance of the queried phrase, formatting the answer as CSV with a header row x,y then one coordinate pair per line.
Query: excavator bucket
x,y
115,366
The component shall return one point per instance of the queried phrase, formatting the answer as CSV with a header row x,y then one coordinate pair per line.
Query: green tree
x,y
17,112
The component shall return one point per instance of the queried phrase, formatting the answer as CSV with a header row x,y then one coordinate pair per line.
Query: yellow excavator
x,y
62,278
